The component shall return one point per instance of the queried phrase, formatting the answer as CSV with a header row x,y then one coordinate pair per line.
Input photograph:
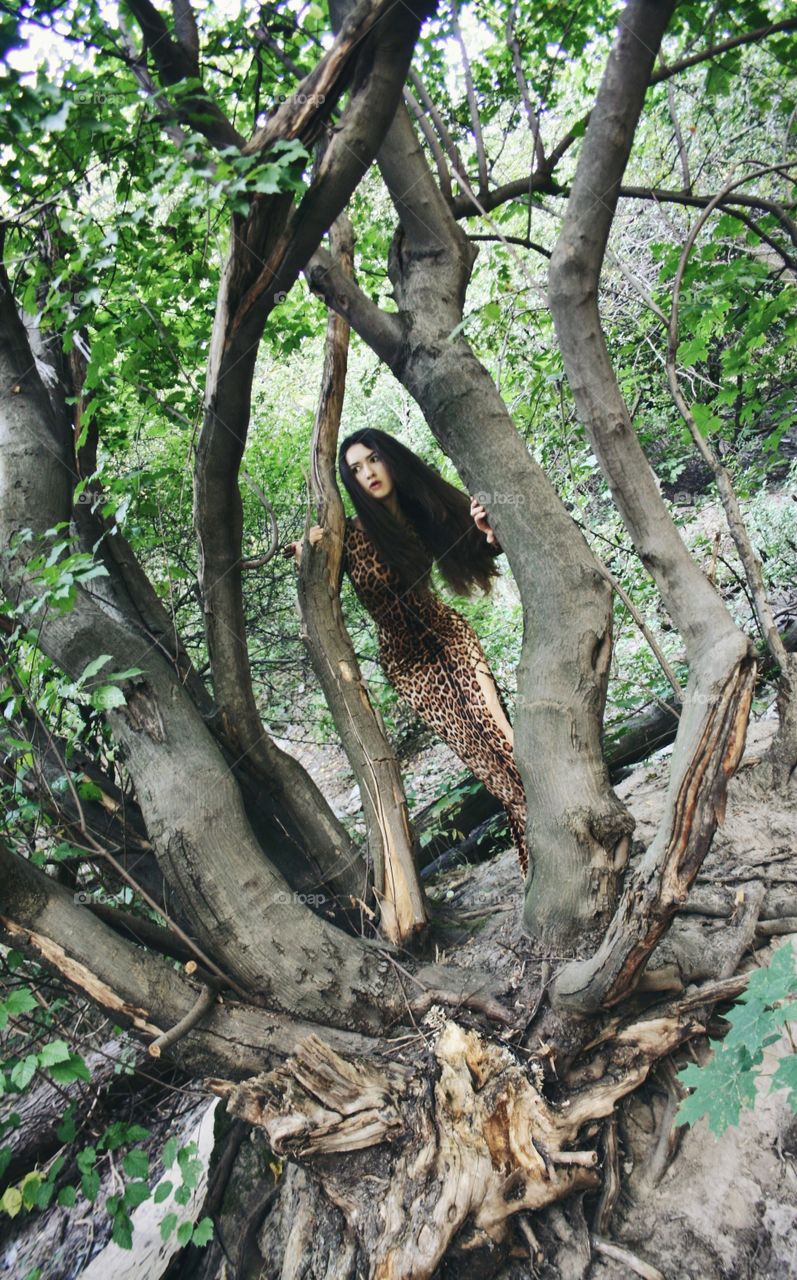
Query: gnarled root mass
x,y
453,1150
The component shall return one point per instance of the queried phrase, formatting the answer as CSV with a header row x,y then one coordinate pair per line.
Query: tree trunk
x,y
373,761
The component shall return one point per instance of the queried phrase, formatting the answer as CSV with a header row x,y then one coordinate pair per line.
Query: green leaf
x,y
169,1154
90,1184
20,1001
107,697
73,1069
721,1088
184,1232
125,675
66,1130
11,1202
136,1193
86,1159
162,1191
785,1077
95,666
24,1071
136,1163
122,1232
202,1233
168,1225
55,1051
67,1197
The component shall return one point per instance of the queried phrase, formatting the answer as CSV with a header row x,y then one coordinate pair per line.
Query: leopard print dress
x,y
429,653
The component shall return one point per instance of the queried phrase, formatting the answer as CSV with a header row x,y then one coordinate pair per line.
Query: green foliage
x,y
79,1167
727,1083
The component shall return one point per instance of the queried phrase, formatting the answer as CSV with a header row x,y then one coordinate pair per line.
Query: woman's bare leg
x,y
487,686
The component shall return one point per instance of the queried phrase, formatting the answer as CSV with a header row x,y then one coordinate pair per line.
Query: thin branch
x,y
259,561
626,1257
204,1003
517,63
519,240
750,561
644,628
733,42
443,176
473,105
429,107
683,158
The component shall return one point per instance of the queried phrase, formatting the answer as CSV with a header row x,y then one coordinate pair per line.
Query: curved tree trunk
x,y
722,668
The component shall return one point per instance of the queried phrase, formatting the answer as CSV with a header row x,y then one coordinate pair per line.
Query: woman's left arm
x,y
479,513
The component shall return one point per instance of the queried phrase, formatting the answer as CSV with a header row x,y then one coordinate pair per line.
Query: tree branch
x,y
473,105
178,60
141,990
268,250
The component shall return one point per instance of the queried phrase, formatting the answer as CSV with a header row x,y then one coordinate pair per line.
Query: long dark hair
x,y
441,527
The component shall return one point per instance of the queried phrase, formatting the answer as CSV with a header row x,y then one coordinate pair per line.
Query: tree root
x,y
618,1254
468,1143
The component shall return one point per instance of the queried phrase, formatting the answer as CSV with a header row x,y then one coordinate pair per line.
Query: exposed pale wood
x,y
396,883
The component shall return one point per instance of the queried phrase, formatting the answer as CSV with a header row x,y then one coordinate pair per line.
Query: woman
x,y
409,517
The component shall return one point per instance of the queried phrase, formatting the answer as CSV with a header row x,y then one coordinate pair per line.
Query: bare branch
x,y
473,105
443,175
431,110
724,46
142,990
531,115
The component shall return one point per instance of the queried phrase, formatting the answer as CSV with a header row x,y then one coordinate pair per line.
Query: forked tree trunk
x,y
574,817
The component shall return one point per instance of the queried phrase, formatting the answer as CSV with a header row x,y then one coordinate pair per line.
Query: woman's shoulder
x,y
354,522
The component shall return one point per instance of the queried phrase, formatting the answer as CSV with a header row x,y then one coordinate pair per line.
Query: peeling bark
x,y
373,761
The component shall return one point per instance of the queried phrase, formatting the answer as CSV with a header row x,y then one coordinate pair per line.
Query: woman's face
x,y
369,470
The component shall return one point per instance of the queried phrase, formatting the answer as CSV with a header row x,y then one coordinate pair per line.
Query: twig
x,y
517,63
204,1002
644,628
258,561
586,1158
473,106
434,115
618,1254
443,175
